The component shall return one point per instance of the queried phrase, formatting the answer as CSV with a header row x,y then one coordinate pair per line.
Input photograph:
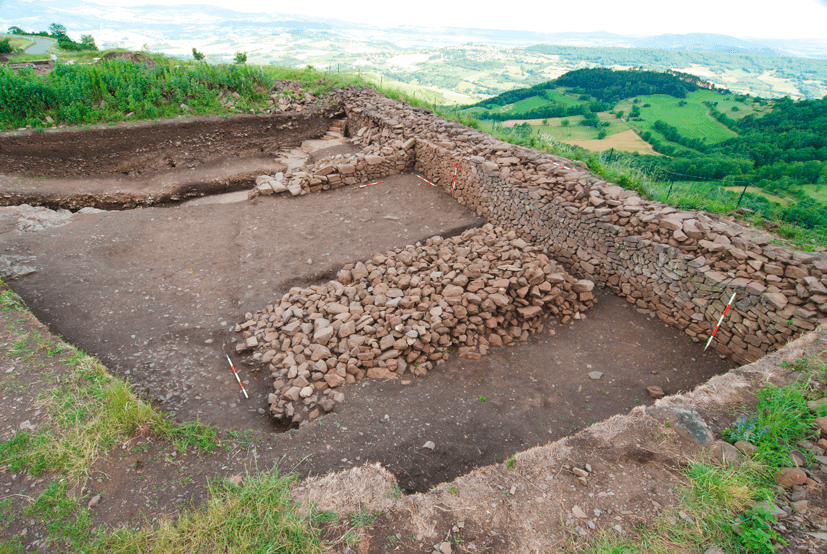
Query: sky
x,y
741,18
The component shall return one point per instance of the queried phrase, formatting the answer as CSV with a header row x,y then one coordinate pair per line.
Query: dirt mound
x,y
134,57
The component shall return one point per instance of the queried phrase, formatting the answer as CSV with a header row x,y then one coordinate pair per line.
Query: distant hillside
x,y
584,91
681,131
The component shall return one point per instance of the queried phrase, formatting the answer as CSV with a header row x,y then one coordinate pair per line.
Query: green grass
x,y
89,411
20,43
23,58
66,522
561,97
755,190
258,516
816,192
524,105
108,90
575,131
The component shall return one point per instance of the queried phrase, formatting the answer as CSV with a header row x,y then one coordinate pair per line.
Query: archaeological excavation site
x,y
470,338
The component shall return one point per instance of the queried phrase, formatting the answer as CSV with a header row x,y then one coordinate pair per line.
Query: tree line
x,y
609,85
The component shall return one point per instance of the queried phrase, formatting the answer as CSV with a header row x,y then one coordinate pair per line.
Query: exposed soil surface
x,y
141,148
154,292
534,393
115,193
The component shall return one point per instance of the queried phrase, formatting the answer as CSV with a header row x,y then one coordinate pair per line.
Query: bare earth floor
x,y
534,393
154,293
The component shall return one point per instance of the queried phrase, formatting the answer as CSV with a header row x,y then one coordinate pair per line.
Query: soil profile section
x,y
146,147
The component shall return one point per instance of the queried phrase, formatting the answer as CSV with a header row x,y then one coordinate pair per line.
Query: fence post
x,y
738,205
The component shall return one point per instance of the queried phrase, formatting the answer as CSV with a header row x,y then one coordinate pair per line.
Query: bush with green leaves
x,y
758,535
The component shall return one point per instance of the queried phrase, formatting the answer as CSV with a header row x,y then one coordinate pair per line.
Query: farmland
x,y
704,146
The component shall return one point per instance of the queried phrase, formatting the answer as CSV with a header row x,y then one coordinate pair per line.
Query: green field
x,y
816,192
562,97
575,131
20,43
525,105
692,118
771,197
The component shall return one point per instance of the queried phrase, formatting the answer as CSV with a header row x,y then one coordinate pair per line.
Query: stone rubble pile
x,y
405,311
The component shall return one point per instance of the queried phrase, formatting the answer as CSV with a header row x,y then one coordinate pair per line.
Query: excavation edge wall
x,y
681,265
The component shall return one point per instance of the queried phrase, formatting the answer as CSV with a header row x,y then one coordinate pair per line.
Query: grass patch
x,y
88,411
67,523
19,43
755,190
105,91
259,516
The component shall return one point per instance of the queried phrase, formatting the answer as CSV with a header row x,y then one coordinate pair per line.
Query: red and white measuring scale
x,y
237,378
719,322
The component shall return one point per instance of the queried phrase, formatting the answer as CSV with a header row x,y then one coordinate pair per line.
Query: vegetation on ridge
x,y
118,89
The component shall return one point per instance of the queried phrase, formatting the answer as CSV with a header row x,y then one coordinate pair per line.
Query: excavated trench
x,y
156,292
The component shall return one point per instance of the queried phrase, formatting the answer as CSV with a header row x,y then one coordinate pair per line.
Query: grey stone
x,y
686,422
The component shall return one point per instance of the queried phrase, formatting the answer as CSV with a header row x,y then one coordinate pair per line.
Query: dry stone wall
x,y
681,265
350,169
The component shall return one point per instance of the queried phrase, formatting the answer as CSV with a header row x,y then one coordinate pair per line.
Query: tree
x,y
57,30
88,42
16,31
565,123
5,46
601,135
198,56
240,57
